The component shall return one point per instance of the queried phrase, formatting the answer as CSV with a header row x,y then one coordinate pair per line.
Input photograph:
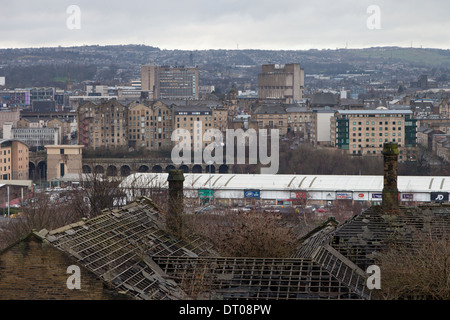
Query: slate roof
x,y
270,109
347,250
324,98
130,251
118,247
232,278
363,237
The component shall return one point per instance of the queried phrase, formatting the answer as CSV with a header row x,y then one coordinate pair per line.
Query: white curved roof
x,y
289,182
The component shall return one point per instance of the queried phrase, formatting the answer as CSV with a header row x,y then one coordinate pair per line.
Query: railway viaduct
x,y
125,166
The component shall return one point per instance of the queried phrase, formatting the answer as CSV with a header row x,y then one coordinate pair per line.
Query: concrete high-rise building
x,y
281,82
170,82
149,78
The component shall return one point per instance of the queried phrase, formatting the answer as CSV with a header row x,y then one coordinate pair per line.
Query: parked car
x,y
204,209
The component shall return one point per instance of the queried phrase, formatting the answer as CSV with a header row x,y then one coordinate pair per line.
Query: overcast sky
x,y
226,24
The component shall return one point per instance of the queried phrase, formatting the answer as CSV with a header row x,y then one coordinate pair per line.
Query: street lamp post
x,y
7,188
209,192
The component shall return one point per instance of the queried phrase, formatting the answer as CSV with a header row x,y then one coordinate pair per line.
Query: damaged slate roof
x,y
233,278
131,252
364,236
346,250
118,247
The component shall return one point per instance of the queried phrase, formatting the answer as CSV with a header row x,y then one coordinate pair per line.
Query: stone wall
x,y
33,270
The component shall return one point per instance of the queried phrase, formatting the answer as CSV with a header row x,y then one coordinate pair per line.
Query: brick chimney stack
x,y
174,219
390,191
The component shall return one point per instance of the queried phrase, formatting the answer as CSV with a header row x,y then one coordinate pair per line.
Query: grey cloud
x,y
201,24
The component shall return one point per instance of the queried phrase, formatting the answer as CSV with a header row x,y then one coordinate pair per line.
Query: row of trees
x,y
308,160
47,75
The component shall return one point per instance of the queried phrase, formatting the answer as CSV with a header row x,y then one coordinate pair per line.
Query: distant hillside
x,y
120,64
414,56
47,75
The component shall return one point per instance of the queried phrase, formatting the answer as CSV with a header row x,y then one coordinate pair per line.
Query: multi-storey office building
x,y
26,96
178,83
170,82
363,132
64,125
42,94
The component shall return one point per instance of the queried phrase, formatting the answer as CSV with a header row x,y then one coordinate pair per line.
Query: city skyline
x,y
200,24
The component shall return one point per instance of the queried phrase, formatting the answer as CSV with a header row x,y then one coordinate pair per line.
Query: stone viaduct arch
x,y
125,167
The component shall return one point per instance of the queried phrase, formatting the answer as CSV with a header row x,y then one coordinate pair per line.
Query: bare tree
x,y
418,271
143,185
251,234
41,212
99,192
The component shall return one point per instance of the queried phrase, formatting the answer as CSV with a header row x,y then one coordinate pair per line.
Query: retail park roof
x,y
290,182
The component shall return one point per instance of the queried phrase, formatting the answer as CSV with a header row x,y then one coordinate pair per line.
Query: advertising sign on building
x,y
377,196
300,195
344,195
407,196
205,193
361,196
439,196
252,194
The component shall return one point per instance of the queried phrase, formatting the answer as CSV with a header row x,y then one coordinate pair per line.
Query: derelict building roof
x,y
130,251
118,245
361,238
